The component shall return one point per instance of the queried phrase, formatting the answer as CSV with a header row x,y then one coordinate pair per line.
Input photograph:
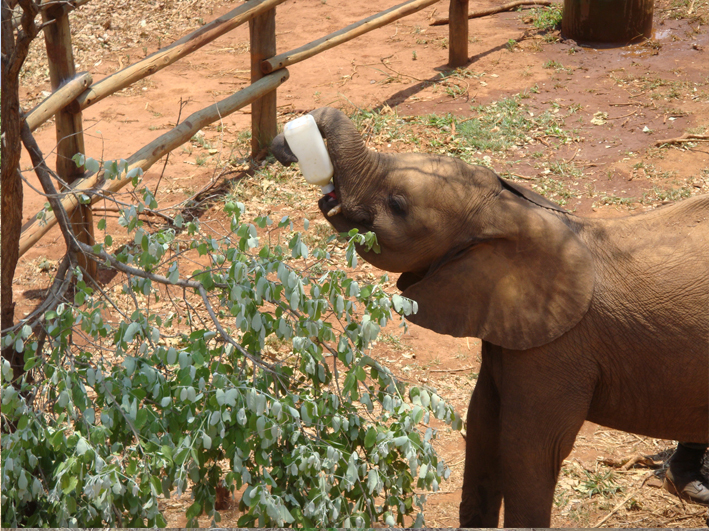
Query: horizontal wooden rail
x,y
58,100
180,48
350,32
151,153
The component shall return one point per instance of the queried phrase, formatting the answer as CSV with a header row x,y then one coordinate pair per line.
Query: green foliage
x,y
600,483
273,392
556,65
547,18
500,125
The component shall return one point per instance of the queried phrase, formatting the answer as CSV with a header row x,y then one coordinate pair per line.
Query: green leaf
x,y
261,426
22,481
68,484
71,505
79,159
141,418
56,439
174,274
156,485
194,510
417,414
131,331
370,438
360,374
82,446
79,298
92,165
22,424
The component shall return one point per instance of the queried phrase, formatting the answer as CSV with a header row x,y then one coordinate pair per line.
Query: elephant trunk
x,y
350,157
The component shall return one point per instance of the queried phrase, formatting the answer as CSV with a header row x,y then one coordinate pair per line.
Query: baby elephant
x,y
598,319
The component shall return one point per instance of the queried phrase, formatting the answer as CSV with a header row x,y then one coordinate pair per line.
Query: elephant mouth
x,y
330,205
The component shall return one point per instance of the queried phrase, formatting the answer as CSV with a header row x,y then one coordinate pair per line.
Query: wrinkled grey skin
x,y
598,319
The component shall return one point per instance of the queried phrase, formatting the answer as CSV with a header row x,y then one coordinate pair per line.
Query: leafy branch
x,y
252,374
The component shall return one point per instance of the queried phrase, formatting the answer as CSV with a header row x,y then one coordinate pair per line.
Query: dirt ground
x,y
606,110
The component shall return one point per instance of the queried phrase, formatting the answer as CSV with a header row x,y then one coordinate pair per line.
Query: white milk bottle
x,y
306,143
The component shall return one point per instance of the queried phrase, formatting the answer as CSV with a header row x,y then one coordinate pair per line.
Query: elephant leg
x,y
539,421
529,485
482,489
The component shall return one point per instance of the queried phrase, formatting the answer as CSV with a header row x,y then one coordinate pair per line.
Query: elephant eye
x,y
397,204
363,217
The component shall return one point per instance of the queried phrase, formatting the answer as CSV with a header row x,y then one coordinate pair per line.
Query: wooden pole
x,y
70,135
458,33
264,128
151,153
180,48
350,32
496,9
58,100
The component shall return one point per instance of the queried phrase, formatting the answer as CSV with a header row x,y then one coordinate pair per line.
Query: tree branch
x,y
24,36
74,245
43,174
61,284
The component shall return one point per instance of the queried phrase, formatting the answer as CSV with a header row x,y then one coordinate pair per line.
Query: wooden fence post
x,y
70,136
262,31
458,33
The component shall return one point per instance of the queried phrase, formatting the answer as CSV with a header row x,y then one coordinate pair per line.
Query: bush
x,y
257,377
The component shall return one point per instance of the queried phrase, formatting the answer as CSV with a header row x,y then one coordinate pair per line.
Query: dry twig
x,y
622,116
684,138
623,501
625,463
452,370
573,156
493,10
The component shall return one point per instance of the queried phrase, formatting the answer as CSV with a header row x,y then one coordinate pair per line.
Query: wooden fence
x,y
73,93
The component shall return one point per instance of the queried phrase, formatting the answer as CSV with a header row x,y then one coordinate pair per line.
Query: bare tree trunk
x,y
11,204
14,52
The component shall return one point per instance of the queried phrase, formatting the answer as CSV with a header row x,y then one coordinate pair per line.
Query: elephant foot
x,y
689,487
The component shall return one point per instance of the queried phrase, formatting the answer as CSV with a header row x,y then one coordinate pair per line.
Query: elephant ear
x,y
519,291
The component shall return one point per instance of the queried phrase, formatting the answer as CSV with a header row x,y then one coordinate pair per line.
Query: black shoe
x,y
690,487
